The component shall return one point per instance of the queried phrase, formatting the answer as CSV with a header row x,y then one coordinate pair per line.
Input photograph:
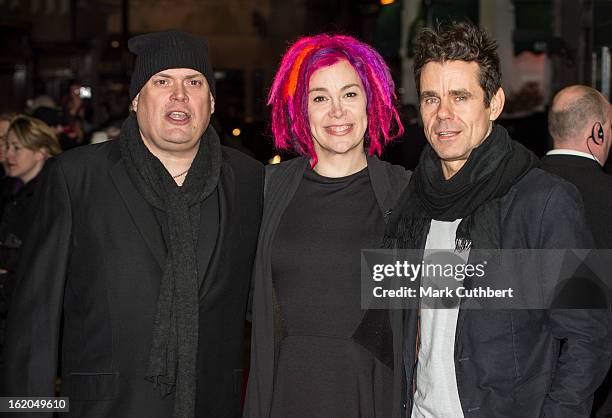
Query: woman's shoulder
x,y
281,176
396,173
286,166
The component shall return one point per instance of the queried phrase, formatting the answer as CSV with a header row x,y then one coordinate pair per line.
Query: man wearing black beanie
x,y
143,250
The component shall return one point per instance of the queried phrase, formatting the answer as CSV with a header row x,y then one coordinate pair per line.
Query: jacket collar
x,y
143,215
572,160
140,211
379,178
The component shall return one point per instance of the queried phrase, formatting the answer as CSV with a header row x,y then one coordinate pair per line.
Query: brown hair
x,y
459,41
35,135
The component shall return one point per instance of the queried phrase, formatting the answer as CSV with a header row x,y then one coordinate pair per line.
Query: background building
x,y
48,44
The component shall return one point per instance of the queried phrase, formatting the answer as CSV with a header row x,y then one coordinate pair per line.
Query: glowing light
x,y
236,132
386,2
275,160
115,44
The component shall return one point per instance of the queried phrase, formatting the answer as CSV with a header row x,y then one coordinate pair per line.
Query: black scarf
x,y
172,361
473,194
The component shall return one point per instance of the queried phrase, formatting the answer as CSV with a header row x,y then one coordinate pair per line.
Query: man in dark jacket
x,y
475,188
580,124
144,253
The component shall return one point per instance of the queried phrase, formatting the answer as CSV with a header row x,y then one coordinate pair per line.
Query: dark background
x,y
45,45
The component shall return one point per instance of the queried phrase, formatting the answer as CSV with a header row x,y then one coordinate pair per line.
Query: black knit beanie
x,y
160,51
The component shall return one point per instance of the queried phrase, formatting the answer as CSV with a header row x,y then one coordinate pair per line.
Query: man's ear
x,y
135,103
497,104
212,104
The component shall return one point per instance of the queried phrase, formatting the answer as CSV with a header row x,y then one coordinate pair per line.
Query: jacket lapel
x,y
226,194
140,211
504,210
208,235
380,185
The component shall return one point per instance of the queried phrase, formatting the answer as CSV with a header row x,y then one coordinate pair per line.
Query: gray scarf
x,y
172,361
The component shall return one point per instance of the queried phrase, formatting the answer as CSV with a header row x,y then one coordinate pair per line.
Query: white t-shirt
x,y
436,394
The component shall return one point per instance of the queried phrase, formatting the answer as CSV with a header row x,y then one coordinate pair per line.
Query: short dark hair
x,y
569,121
459,41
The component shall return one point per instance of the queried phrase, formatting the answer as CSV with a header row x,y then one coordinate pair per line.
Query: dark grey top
x,y
322,371
376,328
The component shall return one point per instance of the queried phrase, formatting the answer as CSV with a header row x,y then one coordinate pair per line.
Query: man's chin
x,y
183,136
183,145
448,153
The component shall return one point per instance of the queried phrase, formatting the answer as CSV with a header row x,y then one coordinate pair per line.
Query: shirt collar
x,y
572,152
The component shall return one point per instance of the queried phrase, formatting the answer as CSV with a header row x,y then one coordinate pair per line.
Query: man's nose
x,y
178,92
445,109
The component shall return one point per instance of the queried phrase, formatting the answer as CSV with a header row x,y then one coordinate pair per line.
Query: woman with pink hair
x,y
315,351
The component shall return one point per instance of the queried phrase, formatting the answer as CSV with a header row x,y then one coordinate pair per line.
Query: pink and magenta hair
x,y
289,93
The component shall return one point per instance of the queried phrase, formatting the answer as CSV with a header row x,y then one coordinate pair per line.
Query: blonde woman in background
x,y
28,144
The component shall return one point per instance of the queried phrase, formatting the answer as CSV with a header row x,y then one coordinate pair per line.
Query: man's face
x,y
455,118
173,110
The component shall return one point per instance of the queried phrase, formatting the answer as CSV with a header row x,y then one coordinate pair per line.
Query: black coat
x,y
508,363
282,181
594,185
15,217
14,222
98,261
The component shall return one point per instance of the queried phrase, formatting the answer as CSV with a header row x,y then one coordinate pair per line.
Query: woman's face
x,y
22,163
337,110
4,125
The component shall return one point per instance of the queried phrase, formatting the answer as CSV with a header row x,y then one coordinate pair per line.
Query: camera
x,y
85,92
